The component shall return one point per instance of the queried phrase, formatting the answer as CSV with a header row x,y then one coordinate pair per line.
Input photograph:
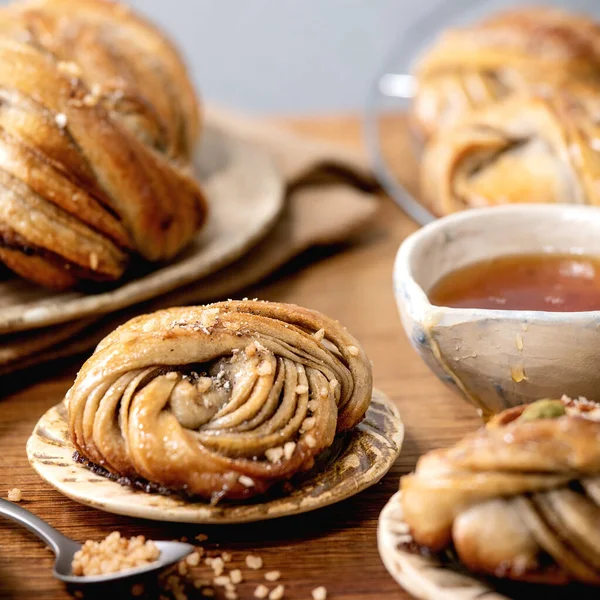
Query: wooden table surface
x,y
334,547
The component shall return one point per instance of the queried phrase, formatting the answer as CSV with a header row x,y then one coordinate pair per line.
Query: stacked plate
x,y
246,195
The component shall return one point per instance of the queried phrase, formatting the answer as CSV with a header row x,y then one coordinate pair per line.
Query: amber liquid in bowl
x,y
548,282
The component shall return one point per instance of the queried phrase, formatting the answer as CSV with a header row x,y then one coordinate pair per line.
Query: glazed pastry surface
x,y
523,50
98,121
521,150
219,401
520,498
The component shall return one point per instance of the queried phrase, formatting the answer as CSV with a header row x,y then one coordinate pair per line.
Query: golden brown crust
x,y
522,150
524,50
220,400
98,122
518,499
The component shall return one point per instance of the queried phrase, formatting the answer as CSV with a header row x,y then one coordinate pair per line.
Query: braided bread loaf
x,y
98,122
519,499
525,149
520,51
220,400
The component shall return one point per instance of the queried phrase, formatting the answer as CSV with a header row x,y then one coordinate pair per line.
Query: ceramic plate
x,y
246,194
443,578
358,460
425,577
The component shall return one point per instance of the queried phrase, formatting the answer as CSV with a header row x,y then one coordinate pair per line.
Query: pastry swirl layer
x,y
98,121
221,400
518,51
519,499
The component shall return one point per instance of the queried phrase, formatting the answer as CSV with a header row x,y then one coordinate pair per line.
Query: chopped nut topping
x,y
353,350
319,335
272,575
236,576
246,481
15,495
319,593
265,369
203,384
301,389
307,424
209,317
310,441
218,566
61,120
114,554
288,449
323,392
261,591
277,593
254,562
274,454
313,405
171,376
333,385
69,68
250,349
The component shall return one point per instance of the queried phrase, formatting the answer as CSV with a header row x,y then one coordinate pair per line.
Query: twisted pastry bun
x,y
98,122
522,50
525,149
220,400
520,498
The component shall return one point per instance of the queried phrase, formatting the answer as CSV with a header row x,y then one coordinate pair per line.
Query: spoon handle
x,y
43,530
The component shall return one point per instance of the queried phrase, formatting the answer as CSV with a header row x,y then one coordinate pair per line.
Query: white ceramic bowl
x,y
500,358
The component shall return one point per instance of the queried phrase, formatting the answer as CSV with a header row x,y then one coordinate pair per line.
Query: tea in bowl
x,y
503,303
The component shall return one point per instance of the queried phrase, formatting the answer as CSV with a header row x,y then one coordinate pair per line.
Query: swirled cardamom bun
x,y
522,150
519,499
98,122
522,50
221,400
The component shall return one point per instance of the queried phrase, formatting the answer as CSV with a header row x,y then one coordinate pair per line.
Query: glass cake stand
x,y
393,86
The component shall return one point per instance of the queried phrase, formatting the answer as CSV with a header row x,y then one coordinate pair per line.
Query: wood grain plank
x,y
334,547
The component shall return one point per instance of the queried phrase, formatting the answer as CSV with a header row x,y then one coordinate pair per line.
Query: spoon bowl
x,y
65,548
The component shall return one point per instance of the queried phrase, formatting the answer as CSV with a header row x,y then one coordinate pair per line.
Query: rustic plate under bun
x,y
246,195
364,456
425,577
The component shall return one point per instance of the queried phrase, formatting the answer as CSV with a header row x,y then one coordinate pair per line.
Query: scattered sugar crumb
x,y
254,562
319,593
272,575
277,593
15,495
61,120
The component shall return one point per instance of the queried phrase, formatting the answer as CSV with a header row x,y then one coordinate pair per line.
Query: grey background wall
x,y
284,55
290,56
294,55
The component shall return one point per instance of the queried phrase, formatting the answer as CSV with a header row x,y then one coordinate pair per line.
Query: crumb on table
x,y
15,495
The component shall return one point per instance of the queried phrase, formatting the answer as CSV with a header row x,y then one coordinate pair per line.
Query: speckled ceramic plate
x,y
246,195
425,577
358,460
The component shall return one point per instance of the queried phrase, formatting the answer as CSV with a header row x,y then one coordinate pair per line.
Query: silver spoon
x,y
65,548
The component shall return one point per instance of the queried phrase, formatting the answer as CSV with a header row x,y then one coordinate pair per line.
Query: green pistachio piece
x,y
543,409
